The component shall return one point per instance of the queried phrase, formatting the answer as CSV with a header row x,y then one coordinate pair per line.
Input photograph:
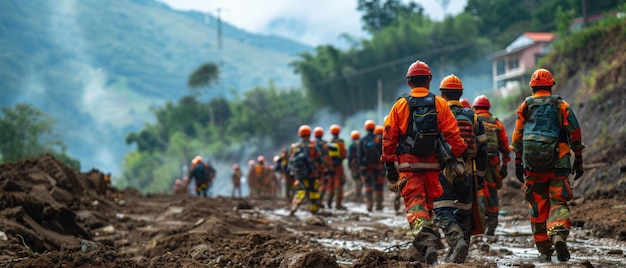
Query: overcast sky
x,y
313,22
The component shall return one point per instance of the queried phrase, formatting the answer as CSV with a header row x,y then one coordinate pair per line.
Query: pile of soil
x,y
53,215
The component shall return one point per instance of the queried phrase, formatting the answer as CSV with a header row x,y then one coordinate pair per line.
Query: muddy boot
x,y
459,252
369,201
426,247
545,251
396,204
329,203
562,254
379,201
339,205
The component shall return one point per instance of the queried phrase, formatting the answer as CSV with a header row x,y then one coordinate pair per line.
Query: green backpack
x,y
541,133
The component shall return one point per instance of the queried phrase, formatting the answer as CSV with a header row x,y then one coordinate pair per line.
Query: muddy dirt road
x,y
54,216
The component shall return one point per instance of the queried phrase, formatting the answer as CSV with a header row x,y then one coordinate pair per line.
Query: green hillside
x,y
98,66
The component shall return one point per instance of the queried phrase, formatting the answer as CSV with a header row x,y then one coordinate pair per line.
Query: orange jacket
x,y
397,123
503,138
569,122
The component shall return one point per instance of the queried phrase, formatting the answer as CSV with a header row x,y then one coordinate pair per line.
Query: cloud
x,y
310,22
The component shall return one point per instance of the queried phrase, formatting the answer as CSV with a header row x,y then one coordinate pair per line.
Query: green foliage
x,y
204,76
378,14
27,132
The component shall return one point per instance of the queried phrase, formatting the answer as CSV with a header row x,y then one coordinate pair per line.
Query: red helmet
x,y
481,102
541,77
418,68
369,125
465,103
260,158
378,130
235,166
318,132
335,129
355,135
196,160
178,182
451,82
304,130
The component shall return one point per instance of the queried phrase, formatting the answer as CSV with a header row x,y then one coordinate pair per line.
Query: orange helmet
x,y
335,129
418,68
178,182
378,130
235,166
260,158
355,135
481,101
251,162
196,160
304,130
318,132
465,103
369,125
541,77
451,82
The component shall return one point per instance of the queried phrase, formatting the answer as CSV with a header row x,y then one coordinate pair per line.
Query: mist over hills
x,y
98,67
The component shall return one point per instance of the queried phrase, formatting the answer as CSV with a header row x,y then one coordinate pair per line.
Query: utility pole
x,y
380,101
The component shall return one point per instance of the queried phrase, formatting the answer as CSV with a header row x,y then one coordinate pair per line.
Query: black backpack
x,y
300,164
372,148
421,136
200,173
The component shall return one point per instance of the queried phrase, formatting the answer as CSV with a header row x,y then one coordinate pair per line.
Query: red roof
x,y
540,37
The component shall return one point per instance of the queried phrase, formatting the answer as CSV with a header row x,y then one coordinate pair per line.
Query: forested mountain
x,y
98,66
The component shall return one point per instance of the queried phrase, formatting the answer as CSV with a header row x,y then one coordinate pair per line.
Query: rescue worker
x,y
353,165
465,103
547,118
236,179
308,185
453,209
337,153
370,167
179,188
259,178
200,174
285,177
326,168
252,185
498,156
413,150
381,180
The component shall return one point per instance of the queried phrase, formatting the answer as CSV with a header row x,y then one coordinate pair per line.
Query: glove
x,y
391,172
503,171
519,170
480,182
578,166
396,187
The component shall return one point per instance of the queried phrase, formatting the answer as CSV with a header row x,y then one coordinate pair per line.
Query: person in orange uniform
x,y
236,179
308,185
497,153
546,132
326,168
353,165
337,152
465,103
416,175
369,152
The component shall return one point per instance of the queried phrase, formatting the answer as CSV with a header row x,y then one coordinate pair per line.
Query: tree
x,y
28,132
378,14
204,76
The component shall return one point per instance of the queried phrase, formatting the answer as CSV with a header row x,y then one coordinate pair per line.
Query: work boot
x,y
562,254
545,251
369,201
490,231
329,203
379,201
396,203
459,252
339,205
